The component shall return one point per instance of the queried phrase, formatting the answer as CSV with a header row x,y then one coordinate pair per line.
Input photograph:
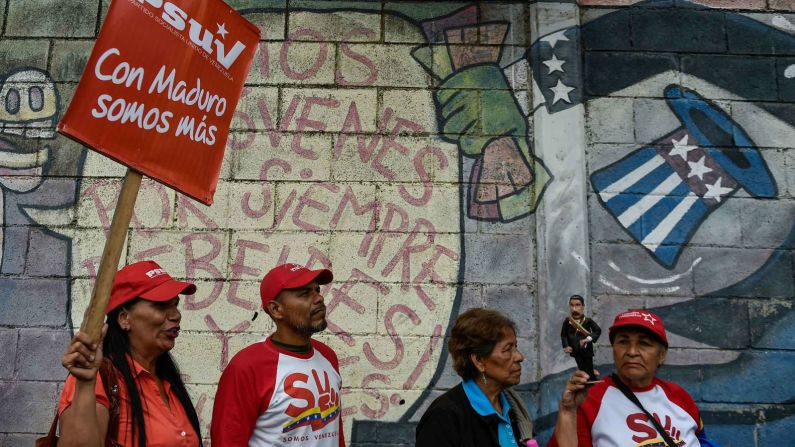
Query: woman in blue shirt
x,y
482,411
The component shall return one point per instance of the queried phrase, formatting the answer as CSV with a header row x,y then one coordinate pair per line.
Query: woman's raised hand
x,y
83,356
575,392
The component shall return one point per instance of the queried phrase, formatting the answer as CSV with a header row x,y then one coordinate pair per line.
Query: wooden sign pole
x,y
95,313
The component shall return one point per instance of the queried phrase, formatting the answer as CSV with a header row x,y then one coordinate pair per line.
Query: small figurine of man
x,y
578,335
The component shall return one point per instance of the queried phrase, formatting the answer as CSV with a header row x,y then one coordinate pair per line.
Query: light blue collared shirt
x,y
482,406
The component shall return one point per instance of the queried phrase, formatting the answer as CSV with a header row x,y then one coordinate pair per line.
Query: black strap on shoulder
x,y
632,397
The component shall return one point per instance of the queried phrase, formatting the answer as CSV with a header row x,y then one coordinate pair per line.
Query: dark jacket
x,y
570,337
451,421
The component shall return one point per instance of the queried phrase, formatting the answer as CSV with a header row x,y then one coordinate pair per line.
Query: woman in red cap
x,y
633,406
139,398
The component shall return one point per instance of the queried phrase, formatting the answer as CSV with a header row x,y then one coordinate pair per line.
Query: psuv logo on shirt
x,y
645,433
316,403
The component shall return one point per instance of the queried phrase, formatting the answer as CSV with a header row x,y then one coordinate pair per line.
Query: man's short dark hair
x,y
578,298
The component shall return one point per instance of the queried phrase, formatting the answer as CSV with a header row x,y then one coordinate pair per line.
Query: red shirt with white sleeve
x,y
608,419
269,396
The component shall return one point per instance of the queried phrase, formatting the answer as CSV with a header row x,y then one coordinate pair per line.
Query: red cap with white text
x,y
290,276
145,279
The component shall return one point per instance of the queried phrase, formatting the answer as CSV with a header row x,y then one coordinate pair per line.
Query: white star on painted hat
x,y
649,318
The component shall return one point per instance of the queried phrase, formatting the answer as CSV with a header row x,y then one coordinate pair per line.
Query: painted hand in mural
x,y
477,110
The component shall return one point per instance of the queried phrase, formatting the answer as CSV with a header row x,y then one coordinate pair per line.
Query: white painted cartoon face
x,y
28,104
28,110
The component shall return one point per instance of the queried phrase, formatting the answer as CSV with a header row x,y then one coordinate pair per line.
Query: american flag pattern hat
x,y
661,193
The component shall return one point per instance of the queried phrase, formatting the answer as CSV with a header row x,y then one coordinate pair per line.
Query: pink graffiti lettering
x,y
224,336
267,165
320,59
185,205
428,270
353,126
350,198
239,268
283,210
341,295
153,252
275,134
200,402
110,188
424,227
267,201
306,201
372,73
204,263
303,123
389,143
425,178
424,359
382,400
387,230
396,339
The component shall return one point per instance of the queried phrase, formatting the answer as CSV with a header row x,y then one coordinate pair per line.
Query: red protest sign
x,y
160,88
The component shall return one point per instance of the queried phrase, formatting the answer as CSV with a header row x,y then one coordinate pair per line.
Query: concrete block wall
x,y
344,153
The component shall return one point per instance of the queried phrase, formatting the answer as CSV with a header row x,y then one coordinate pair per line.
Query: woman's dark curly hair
x,y
476,331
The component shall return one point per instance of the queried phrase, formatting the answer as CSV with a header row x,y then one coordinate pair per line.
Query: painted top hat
x,y
661,193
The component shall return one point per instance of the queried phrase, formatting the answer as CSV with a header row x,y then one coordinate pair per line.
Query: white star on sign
x,y
649,318
222,30
561,91
554,38
716,191
698,169
554,64
681,148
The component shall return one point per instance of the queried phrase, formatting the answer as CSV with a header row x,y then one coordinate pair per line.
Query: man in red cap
x,y
618,410
284,390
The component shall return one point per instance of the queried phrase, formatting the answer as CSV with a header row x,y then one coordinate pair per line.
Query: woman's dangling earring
x,y
483,376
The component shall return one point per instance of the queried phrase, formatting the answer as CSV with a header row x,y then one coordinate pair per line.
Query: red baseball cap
x,y
145,280
640,318
290,276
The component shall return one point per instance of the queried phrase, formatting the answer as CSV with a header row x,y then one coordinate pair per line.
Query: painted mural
x,y
438,157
